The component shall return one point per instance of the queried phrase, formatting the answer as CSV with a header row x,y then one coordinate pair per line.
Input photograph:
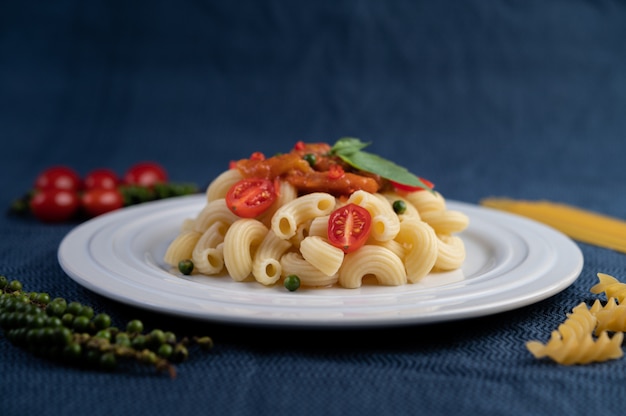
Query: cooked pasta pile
x,y
291,237
583,337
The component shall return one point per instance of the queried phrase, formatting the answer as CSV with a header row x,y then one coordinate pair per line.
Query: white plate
x,y
511,262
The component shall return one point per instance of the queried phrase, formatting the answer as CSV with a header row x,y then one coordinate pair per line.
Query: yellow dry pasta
x,y
612,287
582,225
611,316
573,342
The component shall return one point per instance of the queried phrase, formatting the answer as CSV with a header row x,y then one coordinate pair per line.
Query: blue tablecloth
x,y
525,99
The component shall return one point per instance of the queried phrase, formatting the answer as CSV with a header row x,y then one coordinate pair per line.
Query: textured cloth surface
x,y
524,99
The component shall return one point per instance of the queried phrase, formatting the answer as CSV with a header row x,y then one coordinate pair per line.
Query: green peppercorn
x,y
74,308
165,350
14,286
108,361
292,282
156,337
72,351
87,311
3,281
102,321
138,342
42,298
81,324
134,326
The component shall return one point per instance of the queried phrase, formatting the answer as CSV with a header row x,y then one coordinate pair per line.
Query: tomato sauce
x,y
306,177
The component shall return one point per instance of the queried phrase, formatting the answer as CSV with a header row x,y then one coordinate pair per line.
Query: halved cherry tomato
x,y
349,227
101,179
250,197
409,188
99,201
58,177
54,205
145,174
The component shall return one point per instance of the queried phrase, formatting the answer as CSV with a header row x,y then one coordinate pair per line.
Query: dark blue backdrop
x,y
517,98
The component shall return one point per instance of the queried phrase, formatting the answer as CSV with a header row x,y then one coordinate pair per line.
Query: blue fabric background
x,y
525,99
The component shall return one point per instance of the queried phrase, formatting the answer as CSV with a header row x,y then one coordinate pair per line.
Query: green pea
x,y
292,282
310,158
399,206
185,267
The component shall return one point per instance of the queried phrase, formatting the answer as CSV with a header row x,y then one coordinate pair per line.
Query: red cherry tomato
x,y
99,201
58,177
409,188
101,179
54,205
251,197
145,174
349,227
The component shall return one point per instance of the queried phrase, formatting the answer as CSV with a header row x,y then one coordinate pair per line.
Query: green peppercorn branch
x,y
74,334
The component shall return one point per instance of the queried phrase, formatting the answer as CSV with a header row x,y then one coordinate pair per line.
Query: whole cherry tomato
x,y
145,174
349,227
99,201
58,177
54,205
101,179
251,197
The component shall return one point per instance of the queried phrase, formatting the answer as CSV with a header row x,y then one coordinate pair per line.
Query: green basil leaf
x,y
347,146
349,150
375,164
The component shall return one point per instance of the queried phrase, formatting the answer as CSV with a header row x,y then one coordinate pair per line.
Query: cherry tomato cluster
x,y
60,194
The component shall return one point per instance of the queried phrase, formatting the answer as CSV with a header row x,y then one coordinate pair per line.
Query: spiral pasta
x,y
612,287
583,337
573,342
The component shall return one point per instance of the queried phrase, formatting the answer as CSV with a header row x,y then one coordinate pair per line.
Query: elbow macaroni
x,y
291,237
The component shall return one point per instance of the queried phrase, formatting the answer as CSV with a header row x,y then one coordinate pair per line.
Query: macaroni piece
x,y
291,238
240,242
373,260
266,266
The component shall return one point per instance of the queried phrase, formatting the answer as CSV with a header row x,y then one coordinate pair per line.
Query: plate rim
x,y
86,230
